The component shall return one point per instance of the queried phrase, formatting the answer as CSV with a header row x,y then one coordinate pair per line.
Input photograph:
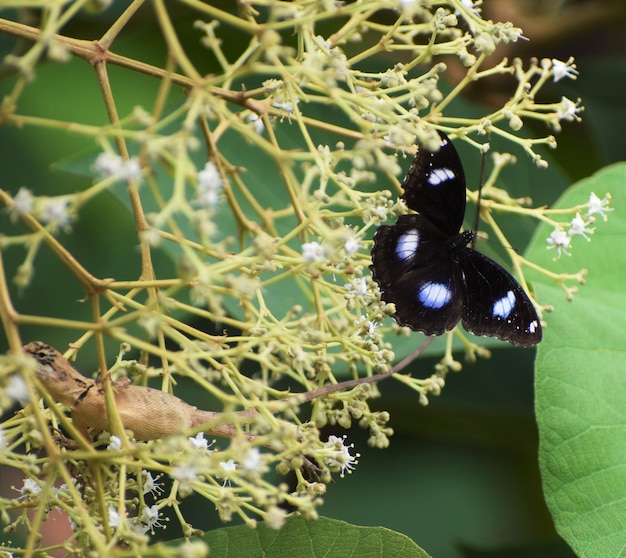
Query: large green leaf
x,y
581,380
310,539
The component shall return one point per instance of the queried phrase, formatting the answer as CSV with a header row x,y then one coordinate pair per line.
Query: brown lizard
x,y
149,413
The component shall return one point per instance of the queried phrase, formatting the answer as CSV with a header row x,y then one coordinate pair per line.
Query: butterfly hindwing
x,y
495,304
407,265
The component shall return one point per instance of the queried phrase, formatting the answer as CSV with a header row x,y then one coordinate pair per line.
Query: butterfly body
x,y
423,264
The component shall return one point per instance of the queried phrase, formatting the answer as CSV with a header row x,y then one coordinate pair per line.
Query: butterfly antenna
x,y
480,196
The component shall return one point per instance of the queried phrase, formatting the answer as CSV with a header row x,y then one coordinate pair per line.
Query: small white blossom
x,y
313,252
358,288
377,213
185,473
579,226
351,246
275,517
199,442
138,527
17,389
111,164
150,517
281,104
30,490
409,8
114,517
150,485
108,164
209,177
598,206
23,201
210,185
257,122
62,492
560,240
568,110
55,212
340,454
472,6
115,443
228,466
253,463
368,325
131,169
564,69
152,236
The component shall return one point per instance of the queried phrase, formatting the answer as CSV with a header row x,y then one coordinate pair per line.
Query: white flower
x,y
568,110
313,252
253,463
108,164
472,6
378,212
199,442
339,454
358,288
152,236
579,226
351,246
111,164
564,69
598,206
137,527
55,212
275,517
61,492
560,240
209,177
185,473
131,170
114,517
368,325
30,490
115,443
150,516
257,122
150,485
210,185
228,466
17,389
281,104
23,201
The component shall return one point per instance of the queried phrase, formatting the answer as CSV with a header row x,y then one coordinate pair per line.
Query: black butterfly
x,y
424,266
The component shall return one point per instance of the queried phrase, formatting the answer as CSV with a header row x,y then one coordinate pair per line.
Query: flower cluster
x,y
251,269
562,236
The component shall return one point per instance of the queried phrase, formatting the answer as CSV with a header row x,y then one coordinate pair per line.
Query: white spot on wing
x,y
503,307
532,327
407,245
439,176
434,295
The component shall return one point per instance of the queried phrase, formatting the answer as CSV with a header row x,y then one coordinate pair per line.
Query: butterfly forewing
x,y
435,186
495,304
